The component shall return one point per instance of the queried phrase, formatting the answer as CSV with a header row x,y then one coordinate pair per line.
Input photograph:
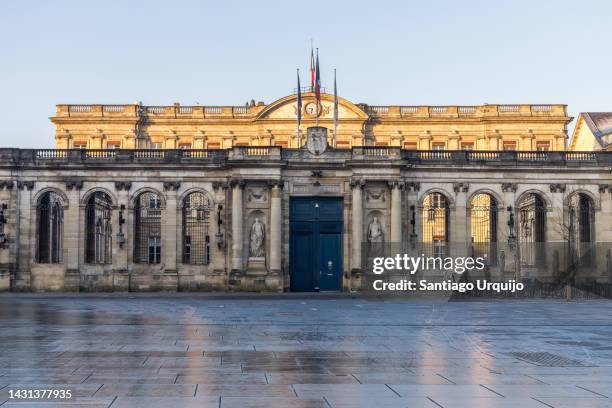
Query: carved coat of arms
x,y
316,141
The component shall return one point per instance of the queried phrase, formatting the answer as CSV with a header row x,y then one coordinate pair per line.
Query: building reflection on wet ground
x,y
173,350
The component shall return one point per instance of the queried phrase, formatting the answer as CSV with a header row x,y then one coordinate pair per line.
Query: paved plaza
x,y
194,350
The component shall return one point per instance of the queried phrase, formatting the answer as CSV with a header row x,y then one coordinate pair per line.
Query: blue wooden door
x,y
315,245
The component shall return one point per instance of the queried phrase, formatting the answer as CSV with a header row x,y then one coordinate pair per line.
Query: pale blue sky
x,y
227,52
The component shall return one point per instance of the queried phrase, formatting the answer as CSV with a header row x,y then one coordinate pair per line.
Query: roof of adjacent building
x,y
600,124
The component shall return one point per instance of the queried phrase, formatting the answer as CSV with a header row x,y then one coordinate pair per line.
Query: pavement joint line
x,y
596,393
429,398
450,381
395,392
542,402
493,391
113,401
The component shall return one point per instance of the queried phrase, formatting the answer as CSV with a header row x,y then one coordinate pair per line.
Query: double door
x,y
315,247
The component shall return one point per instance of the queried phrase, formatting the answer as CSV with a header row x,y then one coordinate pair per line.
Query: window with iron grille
x,y
98,229
483,219
147,228
580,229
50,234
196,238
532,231
435,224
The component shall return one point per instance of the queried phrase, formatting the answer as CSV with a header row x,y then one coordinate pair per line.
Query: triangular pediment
x,y
286,108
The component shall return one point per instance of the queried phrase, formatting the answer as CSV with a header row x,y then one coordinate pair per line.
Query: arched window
x,y
50,216
580,228
196,237
532,229
435,223
147,229
483,222
98,229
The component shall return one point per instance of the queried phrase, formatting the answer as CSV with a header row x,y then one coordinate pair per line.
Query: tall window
x,y
98,229
532,229
147,229
483,215
580,228
50,216
196,237
435,223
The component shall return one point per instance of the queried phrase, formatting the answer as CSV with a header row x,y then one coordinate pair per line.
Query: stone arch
x,y
94,190
594,199
445,193
40,193
498,198
545,197
142,190
186,193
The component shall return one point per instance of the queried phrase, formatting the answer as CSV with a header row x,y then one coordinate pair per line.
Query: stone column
x,y
120,252
73,226
25,234
555,217
458,223
396,211
603,216
168,239
275,228
357,223
412,200
237,190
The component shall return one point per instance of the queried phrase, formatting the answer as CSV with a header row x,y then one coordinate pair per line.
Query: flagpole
x,y
299,109
335,110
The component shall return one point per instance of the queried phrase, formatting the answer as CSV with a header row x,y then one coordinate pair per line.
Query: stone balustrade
x,y
271,153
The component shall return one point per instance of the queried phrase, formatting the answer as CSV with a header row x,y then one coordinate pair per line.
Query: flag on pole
x,y
312,70
299,107
335,109
317,80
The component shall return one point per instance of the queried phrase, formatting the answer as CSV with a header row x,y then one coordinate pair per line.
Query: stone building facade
x,y
272,218
483,127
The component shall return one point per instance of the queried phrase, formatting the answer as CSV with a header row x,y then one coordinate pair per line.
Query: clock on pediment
x,y
312,109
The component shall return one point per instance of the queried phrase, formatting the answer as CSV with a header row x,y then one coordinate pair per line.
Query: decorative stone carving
x,y
171,185
375,231
74,184
461,187
357,183
29,185
396,184
123,185
8,184
377,195
257,240
413,186
605,188
257,195
316,140
557,188
509,187
236,181
216,185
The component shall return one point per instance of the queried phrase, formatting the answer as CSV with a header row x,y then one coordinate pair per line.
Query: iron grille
x,y
435,224
196,239
98,229
484,227
532,231
50,228
147,229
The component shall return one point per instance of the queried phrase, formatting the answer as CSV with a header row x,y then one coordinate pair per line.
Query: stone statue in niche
x,y
375,231
257,240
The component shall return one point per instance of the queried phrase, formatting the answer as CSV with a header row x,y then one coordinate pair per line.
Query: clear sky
x,y
227,52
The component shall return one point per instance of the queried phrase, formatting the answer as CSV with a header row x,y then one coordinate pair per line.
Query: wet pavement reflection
x,y
175,350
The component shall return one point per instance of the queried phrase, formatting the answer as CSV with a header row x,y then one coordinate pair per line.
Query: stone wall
x,y
243,184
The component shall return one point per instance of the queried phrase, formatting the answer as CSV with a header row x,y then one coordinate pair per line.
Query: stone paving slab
x,y
183,351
